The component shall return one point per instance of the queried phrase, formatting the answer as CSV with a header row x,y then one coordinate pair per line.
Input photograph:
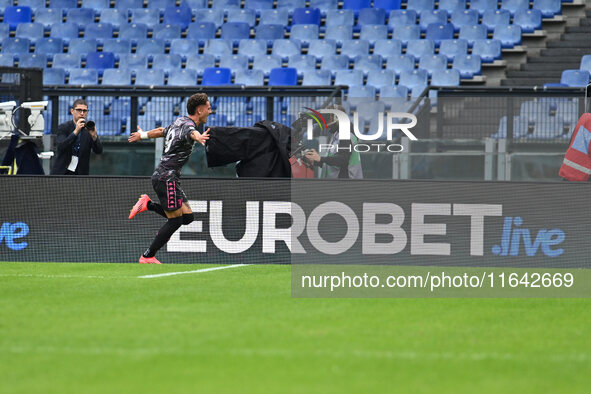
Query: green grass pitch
x,y
98,328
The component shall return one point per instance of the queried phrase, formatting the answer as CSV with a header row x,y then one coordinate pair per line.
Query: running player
x,y
179,138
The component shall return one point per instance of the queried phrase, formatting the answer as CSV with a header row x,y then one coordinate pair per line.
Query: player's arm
x,y
144,135
201,138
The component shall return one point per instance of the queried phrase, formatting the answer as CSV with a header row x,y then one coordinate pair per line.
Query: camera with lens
x,y
89,125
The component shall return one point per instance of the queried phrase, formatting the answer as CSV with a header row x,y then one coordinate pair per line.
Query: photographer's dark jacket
x,y
65,143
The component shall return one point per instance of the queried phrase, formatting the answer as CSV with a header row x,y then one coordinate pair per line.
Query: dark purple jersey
x,y
178,147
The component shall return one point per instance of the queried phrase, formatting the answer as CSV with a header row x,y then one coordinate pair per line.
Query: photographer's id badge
x,y
73,164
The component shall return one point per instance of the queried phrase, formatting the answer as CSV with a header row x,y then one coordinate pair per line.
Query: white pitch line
x,y
192,272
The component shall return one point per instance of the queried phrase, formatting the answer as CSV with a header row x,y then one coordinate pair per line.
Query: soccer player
x,y
179,138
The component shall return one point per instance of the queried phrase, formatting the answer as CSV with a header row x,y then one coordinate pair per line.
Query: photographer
x,y
74,141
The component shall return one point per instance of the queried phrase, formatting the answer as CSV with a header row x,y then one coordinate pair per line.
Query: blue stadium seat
x,y
194,4
274,17
33,4
82,45
468,65
184,77
549,8
32,31
317,78
6,60
291,4
258,4
400,63
242,15
149,16
575,78
50,46
249,78
166,32
66,60
48,17
287,76
96,5
113,16
14,15
149,77
81,16
266,62
30,60
360,94
438,32
340,18
334,63
356,5
482,5
4,30
493,18
218,47
167,62
100,60
159,4
339,33
65,31
83,76
66,4
445,78
488,50
54,76
128,4
529,20
226,4
184,46
373,33
386,48
303,63
133,61
201,32
100,31
348,77
394,92
452,48
200,62
406,33
116,77
235,31
321,48
415,81
354,48
215,16
585,63
371,16
176,16
149,46
381,78
117,45
420,48
519,128
452,5
134,31
472,33
402,18
15,45
420,5
427,17
234,62
251,48
215,76
306,16
269,32
368,63
513,5
304,33
508,35
387,5
433,63
285,48
324,5
461,18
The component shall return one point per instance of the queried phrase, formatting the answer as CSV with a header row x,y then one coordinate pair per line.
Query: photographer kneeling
x,y
74,140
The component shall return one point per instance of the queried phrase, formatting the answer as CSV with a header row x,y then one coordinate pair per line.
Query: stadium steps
x,y
559,54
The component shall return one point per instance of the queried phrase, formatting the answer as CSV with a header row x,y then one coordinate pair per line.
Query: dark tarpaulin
x,y
262,150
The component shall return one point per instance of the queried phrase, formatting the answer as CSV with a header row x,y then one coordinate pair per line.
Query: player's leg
x,y
144,203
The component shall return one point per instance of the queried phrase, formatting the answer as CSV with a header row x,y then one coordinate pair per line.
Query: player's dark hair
x,y
195,101
79,102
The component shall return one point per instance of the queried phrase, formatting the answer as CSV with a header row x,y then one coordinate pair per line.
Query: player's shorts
x,y
169,193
